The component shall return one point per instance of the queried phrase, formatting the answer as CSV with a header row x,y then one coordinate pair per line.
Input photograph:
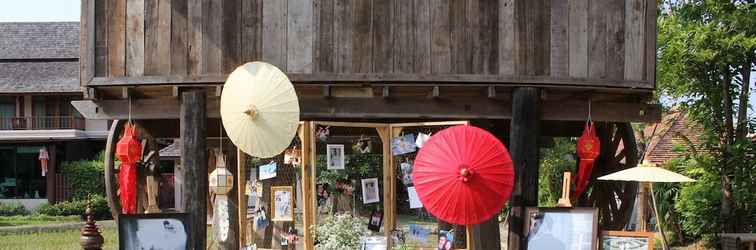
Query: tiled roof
x,y
39,40
39,77
675,130
40,57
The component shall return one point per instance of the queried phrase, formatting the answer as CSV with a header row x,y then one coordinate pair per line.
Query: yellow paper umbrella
x,y
259,109
646,173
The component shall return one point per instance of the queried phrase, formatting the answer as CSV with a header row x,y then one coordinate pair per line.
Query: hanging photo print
x,y
421,139
418,232
335,156
414,200
403,144
446,240
293,156
268,171
406,168
376,219
370,192
322,133
282,199
362,145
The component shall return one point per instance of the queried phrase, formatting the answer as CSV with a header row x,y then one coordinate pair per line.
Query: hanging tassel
x,y
588,149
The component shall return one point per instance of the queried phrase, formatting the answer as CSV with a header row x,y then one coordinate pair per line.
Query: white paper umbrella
x,y
259,109
646,173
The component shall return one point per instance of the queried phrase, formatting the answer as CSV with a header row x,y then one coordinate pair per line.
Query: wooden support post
x,y
525,130
309,208
642,207
193,122
241,173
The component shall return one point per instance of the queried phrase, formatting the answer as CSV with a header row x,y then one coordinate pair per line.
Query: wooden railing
x,y
41,122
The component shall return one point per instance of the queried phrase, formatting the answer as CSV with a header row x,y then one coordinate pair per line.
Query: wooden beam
x,y
193,120
525,131
241,173
318,108
340,78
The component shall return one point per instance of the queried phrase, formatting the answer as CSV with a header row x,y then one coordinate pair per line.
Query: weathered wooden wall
x,y
610,43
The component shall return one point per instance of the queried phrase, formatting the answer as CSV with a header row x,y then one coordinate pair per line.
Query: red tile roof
x,y
675,130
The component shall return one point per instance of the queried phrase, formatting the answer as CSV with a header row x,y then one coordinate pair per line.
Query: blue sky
x,y
39,10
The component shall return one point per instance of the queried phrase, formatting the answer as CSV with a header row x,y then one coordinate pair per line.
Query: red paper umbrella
x,y
463,175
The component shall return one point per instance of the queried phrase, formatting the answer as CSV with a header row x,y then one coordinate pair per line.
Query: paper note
x,y
413,199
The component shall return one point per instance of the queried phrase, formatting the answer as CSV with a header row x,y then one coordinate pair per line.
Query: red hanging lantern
x,y
129,151
588,149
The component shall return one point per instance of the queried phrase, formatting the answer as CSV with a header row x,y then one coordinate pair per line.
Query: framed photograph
x,y
149,231
335,156
268,171
627,240
282,202
562,228
376,219
374,243
370,192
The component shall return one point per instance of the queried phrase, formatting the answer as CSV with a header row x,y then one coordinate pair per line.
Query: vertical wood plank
x,y
241,173
474,36
459,37
383,36
543,37
615,40
578,37
597,39
524,25
309,208
440,38
362,32
299,51
163,64
117,38
194,61
506,37
213,37
403,43
151,16
635,21
650,38
87,42
101,37
343,19
560,53
193,124
488,36
232,33
422,37
274,33
325,56
179,51
251,30
135,37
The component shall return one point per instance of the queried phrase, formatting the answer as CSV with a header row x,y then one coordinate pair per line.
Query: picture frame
x,y
335,156
282,203
149,231
370,191
629,240
375,221
561,228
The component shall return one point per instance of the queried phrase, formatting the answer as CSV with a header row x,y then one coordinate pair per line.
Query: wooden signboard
x,y
627,240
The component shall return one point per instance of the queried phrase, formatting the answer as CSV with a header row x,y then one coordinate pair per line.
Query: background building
x,y
39,77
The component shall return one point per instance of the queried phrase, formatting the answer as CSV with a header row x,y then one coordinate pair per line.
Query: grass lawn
x,y
21,220
54,240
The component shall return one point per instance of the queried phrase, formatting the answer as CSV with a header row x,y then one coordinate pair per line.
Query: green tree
x,y
707,50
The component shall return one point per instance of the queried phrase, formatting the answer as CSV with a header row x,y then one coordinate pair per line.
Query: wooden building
x,y
525,69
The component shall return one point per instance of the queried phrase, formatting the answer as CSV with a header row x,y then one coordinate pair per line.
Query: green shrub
x,y
12,208
77,207
86,176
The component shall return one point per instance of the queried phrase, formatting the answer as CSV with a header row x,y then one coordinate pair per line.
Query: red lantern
x,y
129,151
588,149
44,158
